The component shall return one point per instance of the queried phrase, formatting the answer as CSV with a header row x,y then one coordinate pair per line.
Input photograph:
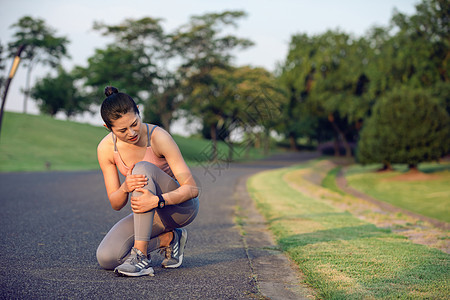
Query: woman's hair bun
x,y
109,90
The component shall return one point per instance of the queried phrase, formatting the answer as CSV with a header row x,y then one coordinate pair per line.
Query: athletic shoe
x,y
174,253
137,264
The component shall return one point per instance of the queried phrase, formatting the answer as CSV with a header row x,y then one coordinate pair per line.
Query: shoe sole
x,y
145,272
183,242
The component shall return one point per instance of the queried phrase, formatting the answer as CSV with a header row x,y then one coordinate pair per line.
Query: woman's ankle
x,y
141,246
166,239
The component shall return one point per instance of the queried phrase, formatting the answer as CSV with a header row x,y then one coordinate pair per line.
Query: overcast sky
x,y
269,24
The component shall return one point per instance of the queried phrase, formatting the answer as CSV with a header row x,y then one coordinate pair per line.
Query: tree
x,y
258,100
203,48
59,93
413,51
238,97
120,67
42,46
423,44
407,126
139,63
324,76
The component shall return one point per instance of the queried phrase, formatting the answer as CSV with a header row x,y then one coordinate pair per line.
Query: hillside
x,y
38,143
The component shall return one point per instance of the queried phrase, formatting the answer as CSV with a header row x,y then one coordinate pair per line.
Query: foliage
x,y
116,66
130,62
205,51
406,126
334,79
423,44
202,44
246,98
138,63
59,93
325,77
42,45
3,75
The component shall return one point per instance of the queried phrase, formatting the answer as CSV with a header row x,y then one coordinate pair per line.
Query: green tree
x,y
413,51
42,46
59,93
120,67
423,44
242,98
407,126
139,63
325,79
202,44
203,47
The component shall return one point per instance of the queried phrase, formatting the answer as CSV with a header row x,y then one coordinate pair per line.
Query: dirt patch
x,y
413,176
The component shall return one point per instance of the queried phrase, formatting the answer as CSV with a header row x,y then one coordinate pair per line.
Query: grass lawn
x,y
342,256
29,142
38,143
427,197
329,181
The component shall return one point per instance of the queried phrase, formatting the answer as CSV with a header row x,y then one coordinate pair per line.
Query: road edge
x,y
276,276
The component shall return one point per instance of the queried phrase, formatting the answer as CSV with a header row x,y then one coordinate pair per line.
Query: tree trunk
x,y
230,149
213,130
27,87
266,142
348,150
336,145
165,120
386,167
257,144
293,141
413,168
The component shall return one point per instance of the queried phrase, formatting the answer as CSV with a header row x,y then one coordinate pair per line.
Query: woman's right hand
x,y
133,182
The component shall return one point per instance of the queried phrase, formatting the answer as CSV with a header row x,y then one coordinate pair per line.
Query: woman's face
x,y
128,128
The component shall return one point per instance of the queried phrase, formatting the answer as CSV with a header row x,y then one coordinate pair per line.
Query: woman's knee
x,y
144,168
106,258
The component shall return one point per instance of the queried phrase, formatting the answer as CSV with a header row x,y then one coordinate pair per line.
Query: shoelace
x,y
167,251
136,259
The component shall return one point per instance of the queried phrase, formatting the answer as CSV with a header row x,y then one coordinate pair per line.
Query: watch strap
x,y
161,200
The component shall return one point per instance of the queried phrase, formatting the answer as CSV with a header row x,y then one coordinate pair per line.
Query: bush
x,y
407,127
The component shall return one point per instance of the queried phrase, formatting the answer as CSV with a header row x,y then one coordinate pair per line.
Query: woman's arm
x,y
117,193
164,145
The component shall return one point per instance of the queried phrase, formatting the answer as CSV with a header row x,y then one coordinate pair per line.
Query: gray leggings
x,y
116,245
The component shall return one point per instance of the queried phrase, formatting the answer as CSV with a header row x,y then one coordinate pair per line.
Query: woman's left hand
x,y
147,201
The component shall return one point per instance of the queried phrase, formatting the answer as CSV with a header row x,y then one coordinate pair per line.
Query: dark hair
x,y
116,105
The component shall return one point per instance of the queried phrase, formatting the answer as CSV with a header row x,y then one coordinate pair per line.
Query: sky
x,y
269,24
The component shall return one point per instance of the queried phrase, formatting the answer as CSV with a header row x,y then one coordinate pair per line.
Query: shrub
x,y
407,127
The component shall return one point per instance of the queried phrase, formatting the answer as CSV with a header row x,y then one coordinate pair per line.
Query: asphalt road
x,y
52,222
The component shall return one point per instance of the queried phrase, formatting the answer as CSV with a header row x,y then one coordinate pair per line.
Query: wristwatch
x,y
161,202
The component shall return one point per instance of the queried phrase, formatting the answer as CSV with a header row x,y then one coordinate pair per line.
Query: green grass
x,y
38,143
329,181
427,197
344,257
29,142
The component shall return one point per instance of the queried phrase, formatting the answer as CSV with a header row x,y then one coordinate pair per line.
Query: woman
x,y
163,191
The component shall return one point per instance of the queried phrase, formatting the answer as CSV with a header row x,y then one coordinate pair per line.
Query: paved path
x,y
51,224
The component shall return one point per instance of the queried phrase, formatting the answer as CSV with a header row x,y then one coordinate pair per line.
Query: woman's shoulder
x,y
161,140
106,144
158,132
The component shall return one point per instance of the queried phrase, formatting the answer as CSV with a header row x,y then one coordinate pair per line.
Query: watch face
x,y
161,204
